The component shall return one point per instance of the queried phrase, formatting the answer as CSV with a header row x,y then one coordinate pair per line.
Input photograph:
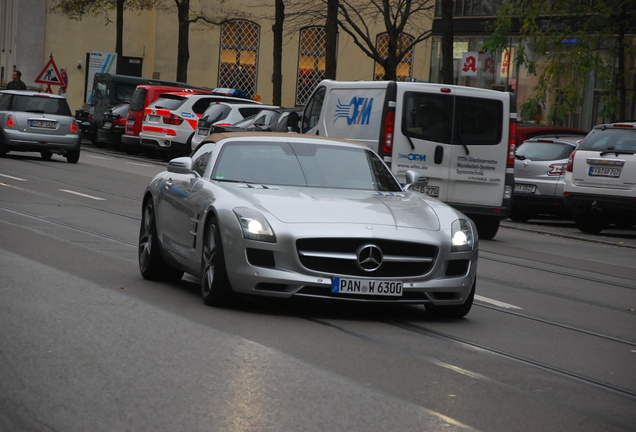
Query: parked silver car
x,y
38,122
282,215
539,171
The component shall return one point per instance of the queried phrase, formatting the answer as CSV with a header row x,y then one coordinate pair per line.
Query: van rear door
x,y
458,137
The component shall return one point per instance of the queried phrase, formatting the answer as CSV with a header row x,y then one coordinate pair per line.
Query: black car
x,y
114,126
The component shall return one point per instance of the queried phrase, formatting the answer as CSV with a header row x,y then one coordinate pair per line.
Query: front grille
x,y
338,256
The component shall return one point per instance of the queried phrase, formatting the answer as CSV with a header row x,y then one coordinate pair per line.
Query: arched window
x,y
311,62
405,68
238,65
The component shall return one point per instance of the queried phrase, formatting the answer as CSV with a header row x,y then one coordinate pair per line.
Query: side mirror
x,y
415,178
181,165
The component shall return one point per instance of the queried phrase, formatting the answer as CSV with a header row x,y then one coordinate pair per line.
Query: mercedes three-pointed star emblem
x,y
369,257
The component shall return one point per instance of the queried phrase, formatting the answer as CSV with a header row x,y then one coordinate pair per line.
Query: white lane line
x,y
496,302
13,178
83,195
99,157
138,164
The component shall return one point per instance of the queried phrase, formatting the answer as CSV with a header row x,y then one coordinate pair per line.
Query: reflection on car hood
x,y
318,205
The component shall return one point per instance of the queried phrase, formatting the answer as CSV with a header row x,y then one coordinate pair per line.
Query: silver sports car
x,y
284,215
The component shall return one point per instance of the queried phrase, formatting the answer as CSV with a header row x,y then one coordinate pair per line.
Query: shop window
x,y
311,62
238,63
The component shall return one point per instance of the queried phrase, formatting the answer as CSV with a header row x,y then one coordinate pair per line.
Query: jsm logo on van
x,y
357,111
413,157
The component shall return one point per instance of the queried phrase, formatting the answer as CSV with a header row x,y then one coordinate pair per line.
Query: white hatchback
x,y
170,121
600,179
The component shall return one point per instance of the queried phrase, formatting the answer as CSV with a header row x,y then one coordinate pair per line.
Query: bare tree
x,y
362,19
448,36
331,42
77,9
277,29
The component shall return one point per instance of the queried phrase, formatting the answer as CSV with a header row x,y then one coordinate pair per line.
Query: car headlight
x,y
462,238
254,225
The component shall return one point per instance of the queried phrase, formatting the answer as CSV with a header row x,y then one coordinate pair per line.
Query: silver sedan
x,y
284,215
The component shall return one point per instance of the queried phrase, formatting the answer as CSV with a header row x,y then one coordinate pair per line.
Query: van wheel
x,y
589,224
487,227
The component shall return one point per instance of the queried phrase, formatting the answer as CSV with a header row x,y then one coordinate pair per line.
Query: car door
x,y
183,200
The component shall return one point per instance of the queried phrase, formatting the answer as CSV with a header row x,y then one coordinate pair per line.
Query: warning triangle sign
x,y
50,74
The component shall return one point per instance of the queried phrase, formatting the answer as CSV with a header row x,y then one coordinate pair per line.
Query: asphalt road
x,y
87,344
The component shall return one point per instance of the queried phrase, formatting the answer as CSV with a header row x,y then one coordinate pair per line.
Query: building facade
x,y
239,53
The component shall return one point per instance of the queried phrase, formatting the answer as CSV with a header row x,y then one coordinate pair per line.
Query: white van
x,y
462,139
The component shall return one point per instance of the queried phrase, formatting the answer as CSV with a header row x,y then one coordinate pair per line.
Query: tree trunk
x,y
331,40
119,43
183,52
447,42
277,29
621,78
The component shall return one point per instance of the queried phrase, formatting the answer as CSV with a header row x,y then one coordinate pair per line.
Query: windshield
x,y
303,164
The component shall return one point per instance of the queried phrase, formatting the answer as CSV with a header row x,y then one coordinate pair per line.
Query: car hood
x,y
330,206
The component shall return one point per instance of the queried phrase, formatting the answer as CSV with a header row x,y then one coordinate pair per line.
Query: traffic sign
x,y
50,74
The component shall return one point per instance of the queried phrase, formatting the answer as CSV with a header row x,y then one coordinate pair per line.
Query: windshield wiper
x,y
617,152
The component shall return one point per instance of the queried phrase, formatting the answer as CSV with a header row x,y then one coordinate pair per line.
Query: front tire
x,y
215,285
151,263
454,311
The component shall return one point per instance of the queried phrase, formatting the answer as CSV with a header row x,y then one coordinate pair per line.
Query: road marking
x,y
99,157
12,178
138,164
496,302
83,195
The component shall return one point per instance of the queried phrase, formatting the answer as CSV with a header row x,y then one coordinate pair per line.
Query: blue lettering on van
x,y
357,111
413,157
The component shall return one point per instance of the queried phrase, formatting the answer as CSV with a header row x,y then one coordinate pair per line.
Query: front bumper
x,y
277,270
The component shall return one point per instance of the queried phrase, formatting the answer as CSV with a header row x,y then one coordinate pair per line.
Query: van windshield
x,y
450,119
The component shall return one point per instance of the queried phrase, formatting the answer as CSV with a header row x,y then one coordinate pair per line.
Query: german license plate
x,y
525,188
42,124
108,125
432,191
130,122
153,118
604,171
366,287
